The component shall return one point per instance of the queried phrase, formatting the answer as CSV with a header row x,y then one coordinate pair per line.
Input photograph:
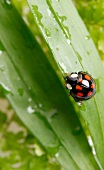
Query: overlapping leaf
x,y
74,50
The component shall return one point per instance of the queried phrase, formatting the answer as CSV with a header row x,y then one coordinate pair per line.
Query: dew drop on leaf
x,y
57,48
5,88
57,154
40,105
18,78
0,52
87,37
49,12
88,52
63,67
52,115
29,99
77,130
37,13
30,110
68,41
2,69
8,4
48,33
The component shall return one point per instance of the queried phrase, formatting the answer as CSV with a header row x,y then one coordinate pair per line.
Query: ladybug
x,y
82,86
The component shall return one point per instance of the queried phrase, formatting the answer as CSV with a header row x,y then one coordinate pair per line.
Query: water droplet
x,y
62,18
93,151
88,52
18,78
63,67
7,90
2,68
37,13
17,165
67,33
40,105
57,48
53,150
48,33
79,103
8,4
79,57
38,150
68,41
90,141
87,37
20,91
82,108
56,29
1,52
49,12
64,27
30,110
29,99
77,130
52,160
52,114
57,155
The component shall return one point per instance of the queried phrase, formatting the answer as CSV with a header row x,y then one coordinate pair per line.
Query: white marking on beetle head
x,y
68,86
74,75
85,82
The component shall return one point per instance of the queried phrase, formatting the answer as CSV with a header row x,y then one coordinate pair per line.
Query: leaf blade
x,y
69,37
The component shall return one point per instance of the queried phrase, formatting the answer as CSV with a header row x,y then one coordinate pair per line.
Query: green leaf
x,y
72,48
36,93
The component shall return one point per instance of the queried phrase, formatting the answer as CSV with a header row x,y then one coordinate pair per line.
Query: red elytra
x,y
92,85
89,93
79,94
78,87
87,77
